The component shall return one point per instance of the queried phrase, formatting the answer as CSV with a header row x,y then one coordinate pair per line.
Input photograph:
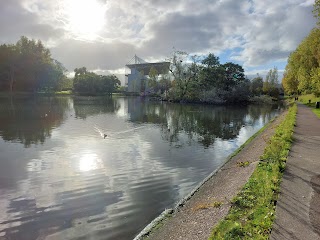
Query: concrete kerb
x,y
148,229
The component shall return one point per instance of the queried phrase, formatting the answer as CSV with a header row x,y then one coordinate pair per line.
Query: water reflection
x,y
78,184
28,221
90,106
89,162
29,120
200,123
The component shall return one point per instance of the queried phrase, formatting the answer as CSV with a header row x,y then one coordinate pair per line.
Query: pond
x,y
103,168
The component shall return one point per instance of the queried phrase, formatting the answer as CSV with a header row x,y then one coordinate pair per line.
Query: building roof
x,y
161,67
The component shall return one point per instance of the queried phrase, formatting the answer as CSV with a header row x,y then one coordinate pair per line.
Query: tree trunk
x,y
11,78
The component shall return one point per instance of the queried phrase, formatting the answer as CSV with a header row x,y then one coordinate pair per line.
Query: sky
x,y
104,35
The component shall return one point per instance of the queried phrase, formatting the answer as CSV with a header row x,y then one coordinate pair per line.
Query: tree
x,y
185,75
8,66
315,80
28,66
256,85
316,10
301,70
80,71
211,72
164,83
271,84
86,82
290,83
152,81
234,75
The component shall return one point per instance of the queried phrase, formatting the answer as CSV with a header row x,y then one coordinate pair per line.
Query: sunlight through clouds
x,y
84,19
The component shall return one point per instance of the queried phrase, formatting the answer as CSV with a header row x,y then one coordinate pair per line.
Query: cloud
x,y
16,21
262,32
93,55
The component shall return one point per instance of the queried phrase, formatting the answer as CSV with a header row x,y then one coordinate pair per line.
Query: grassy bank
x,y
313,99
252,213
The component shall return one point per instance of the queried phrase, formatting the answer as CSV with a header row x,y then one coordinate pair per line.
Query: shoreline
x,y
168,218
256,100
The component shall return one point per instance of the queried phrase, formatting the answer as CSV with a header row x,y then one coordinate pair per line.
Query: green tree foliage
x,y
220,76
316,10
185,76
86,82
211,72
153,74
271,83
233,75
164,84
8,66
302,70
256,85
207,80
28,66
301,75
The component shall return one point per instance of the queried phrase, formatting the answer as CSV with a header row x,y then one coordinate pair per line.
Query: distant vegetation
x,y
206,80
302,75
27,66
90,83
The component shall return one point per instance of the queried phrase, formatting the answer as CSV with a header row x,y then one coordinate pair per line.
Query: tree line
x,y
302,73
27,66
86,82
205,79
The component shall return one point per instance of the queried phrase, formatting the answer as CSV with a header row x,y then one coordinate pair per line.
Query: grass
x,y
243,164
313,99
305,99
316,112
251,215
202,206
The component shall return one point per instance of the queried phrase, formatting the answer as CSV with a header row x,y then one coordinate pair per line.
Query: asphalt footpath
x,y
298,206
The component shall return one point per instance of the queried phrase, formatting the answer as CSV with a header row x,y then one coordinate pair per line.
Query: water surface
x,y
62,178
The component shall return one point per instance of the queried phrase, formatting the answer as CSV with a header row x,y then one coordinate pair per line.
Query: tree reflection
x,y
89,106
200,123
29,120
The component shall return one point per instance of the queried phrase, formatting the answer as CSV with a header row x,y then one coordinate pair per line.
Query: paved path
x,y
298,207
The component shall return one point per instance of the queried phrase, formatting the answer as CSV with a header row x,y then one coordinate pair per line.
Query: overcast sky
x,y
104,35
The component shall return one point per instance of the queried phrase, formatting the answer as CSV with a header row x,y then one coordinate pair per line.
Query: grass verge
x,y
305,99
313,99
252,212
316,112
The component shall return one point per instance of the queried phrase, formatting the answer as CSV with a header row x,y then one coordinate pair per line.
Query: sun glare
x,y
83,18
89,162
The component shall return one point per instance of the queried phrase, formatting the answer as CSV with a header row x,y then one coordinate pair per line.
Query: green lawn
x,y
305,100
